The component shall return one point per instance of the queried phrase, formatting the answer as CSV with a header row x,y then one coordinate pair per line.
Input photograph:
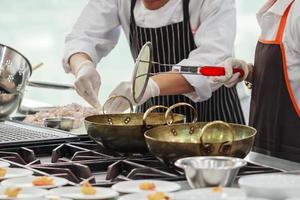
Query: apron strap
x,y
282,24
133,2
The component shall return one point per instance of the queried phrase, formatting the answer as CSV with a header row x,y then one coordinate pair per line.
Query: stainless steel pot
x,y
15,70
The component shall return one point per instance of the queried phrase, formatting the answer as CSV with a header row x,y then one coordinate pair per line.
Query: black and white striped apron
x,y
171,44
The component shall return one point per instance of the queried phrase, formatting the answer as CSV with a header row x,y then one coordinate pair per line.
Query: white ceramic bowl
x,y
272,186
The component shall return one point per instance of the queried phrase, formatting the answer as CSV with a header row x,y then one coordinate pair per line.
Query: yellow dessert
x,y
217,189
12,192
158,196
147,186
2,172
43,181
88,189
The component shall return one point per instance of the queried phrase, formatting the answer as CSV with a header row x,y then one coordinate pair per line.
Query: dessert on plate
x,y
147,186
88,189
43,181
12,192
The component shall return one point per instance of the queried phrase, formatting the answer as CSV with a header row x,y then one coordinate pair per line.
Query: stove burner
x,y
86,160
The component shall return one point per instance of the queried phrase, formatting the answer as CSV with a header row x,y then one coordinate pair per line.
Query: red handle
x,y
218,71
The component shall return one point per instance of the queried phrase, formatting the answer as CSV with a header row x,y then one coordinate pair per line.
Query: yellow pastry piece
x,y
147,186
158,196
88,189
43,181
12,192
217,189
2,172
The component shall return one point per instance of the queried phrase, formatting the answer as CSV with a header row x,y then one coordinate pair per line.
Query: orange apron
x,y
274,111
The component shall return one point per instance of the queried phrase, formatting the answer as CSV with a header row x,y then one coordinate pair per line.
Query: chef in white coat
x,y
185,32
275,102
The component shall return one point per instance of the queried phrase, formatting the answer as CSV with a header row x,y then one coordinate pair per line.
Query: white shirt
x,y
213,23
269,18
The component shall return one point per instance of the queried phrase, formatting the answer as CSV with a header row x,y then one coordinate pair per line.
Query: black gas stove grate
x,y
79,161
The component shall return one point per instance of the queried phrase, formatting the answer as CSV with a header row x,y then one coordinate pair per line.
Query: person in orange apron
x,y
274,109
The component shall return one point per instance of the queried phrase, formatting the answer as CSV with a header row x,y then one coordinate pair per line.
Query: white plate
x,y
140,196
208,193
272,186
4,164
74,193
26,193
133,186
27,182
16,172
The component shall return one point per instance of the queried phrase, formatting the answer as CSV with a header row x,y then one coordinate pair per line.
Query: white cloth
x,y
213,24
268,18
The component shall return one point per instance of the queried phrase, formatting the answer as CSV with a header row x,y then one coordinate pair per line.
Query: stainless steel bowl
x,y
9,103
210,171
15,70
62,123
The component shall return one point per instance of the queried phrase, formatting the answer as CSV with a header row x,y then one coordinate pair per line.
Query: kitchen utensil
x,y
143,64
125,132
47,85
210,171
272,186
132,186
62,123
15,70
74,193
174,141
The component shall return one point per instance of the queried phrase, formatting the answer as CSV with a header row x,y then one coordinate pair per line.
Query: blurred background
x,y
38,28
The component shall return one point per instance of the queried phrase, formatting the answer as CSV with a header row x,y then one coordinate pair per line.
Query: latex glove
x,y
87,83
230,79
119,105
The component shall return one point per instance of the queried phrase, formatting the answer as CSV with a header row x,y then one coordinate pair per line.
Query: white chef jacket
x,y
269,18
213,23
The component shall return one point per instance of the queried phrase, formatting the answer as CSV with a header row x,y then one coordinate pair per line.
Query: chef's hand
x,y
87,83
230,79
119,105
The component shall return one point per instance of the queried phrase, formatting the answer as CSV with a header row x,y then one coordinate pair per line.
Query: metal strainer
x,y
143,64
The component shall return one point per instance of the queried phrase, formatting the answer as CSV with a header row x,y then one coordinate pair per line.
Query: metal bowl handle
x,y
178,105
208,147
115,97
146,114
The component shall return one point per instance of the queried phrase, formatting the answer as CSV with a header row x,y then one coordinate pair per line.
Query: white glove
x,y
88,82
119,105
230,79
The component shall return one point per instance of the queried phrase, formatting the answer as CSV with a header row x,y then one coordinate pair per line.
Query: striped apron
x,y
171,44
274,111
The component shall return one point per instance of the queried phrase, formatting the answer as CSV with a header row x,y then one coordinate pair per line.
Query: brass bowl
x,y
125,132
172,142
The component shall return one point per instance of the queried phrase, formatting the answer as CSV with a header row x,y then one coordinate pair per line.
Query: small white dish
x,y
26,193
4,164
16,172
133,186
74,193
271,186
140,196
27,182
210,193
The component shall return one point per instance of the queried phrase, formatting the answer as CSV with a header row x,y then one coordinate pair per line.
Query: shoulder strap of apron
x,y
282,24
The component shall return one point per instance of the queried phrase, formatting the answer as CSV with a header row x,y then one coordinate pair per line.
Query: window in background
x,y
37,29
